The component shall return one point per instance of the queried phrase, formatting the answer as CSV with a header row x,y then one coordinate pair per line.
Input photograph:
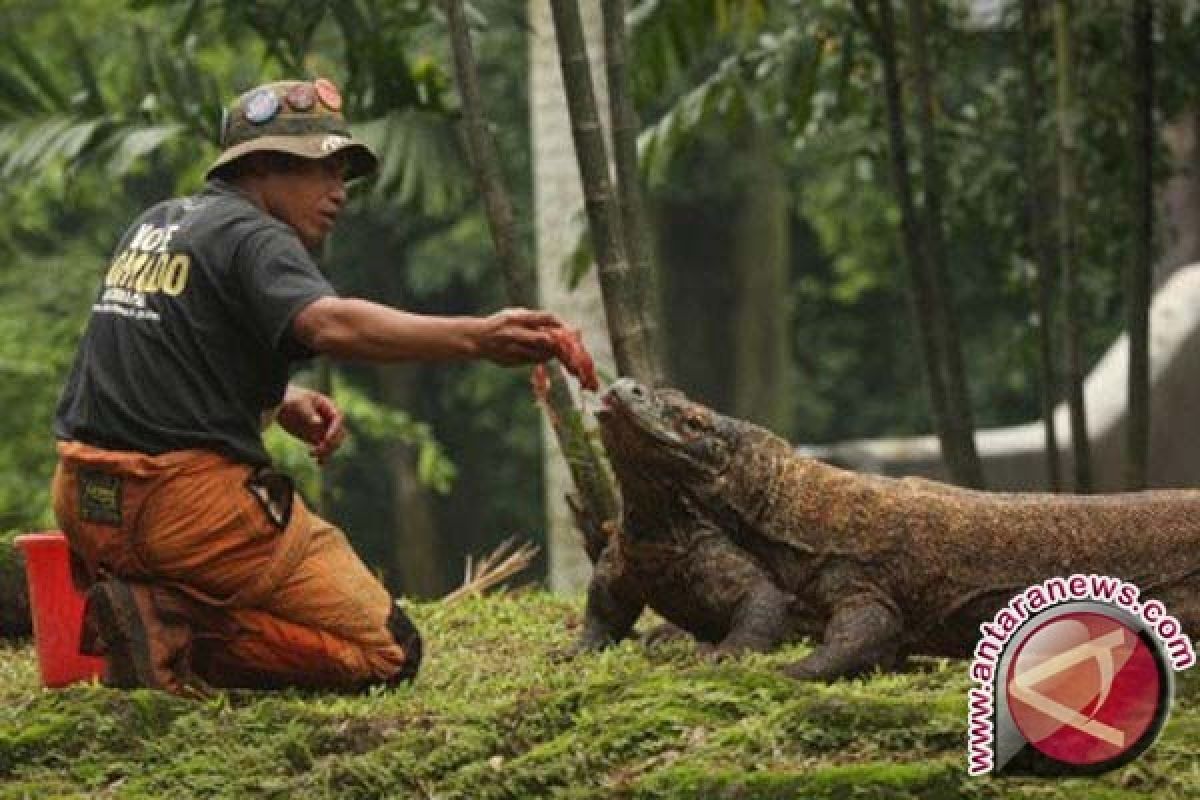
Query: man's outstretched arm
x,y
352,328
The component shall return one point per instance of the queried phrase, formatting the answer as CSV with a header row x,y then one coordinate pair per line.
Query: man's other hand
x,y
313,418
518,336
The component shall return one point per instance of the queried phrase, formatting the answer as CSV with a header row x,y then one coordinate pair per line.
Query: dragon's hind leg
x,y
863,633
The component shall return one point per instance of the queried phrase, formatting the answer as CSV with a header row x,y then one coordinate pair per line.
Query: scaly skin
x,y
721,515
672,558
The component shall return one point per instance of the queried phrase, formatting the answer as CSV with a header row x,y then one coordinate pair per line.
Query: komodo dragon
x,y
731,535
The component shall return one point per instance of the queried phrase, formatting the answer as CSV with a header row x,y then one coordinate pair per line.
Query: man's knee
x,y
404,633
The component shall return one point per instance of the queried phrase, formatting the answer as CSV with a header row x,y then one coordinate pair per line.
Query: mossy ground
x,y
496,715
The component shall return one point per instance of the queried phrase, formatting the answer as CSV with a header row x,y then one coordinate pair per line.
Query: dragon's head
x,y
662,436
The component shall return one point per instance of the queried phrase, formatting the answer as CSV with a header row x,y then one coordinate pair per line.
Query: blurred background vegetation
x,y
780,285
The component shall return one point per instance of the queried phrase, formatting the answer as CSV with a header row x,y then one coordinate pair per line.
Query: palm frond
x,y
17,95
180,86
774,82
92,99
719,97
37,77
422,163
32,146
671,38
129,144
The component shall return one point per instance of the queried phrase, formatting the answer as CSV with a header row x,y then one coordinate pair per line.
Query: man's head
x,y
287,144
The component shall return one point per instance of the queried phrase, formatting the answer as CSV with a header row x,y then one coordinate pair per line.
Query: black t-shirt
x,y
190,338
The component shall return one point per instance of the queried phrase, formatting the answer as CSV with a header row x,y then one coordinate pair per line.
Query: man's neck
x,y
251,188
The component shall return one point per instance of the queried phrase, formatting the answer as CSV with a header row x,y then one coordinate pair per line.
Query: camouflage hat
x,y
302,118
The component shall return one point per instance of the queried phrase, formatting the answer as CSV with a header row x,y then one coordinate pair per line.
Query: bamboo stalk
x,y
623,121
519,278
627,324
597,497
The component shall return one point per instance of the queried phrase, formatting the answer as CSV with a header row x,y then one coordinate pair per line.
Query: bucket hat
x,y
301,118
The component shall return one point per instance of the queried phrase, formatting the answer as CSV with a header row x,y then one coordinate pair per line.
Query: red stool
x,y
57,610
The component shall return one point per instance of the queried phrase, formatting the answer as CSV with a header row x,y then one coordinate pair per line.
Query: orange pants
x,y
278,602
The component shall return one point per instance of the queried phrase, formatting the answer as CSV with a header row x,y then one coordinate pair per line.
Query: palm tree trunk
x,y
1041,252
628,325
1072,311
596,500
1139,275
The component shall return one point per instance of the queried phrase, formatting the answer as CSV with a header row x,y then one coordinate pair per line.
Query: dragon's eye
x,y
692,425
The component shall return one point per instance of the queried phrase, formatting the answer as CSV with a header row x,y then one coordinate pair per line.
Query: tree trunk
x,y
595,503
519,280
959,425
1072,311
1140,272
1180,224
628,325
951,416
1040,248
14,592
726,251
625,129
415,565
761,258
558,209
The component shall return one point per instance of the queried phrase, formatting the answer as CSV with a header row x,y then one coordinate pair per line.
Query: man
x,y
203,565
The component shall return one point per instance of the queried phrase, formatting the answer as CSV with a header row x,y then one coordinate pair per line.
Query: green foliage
x,y
55,114
43,302
421,166
367,422
808,70
774,75
496,714
375,422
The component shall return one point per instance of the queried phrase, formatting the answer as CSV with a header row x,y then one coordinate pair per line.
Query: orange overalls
x,y
273,598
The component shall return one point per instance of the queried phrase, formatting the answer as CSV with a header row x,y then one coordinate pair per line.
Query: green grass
x,y
495,714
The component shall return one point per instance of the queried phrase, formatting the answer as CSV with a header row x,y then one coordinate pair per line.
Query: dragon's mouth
x,y
634,416
606,416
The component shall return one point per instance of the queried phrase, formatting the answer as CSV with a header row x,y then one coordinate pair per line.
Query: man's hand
x,y
313,418
517,336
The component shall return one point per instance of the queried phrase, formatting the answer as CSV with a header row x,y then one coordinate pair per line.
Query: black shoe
x,y
405,634
114,619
